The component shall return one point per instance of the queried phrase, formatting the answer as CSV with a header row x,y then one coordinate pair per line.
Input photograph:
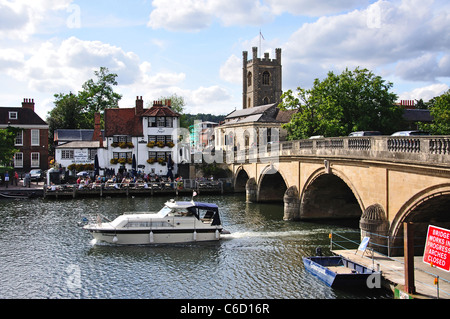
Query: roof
x,y
80,145
160,110
269,113
122,121
417,115
25,116
73,135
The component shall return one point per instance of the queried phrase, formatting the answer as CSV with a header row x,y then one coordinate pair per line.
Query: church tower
x,y
262,79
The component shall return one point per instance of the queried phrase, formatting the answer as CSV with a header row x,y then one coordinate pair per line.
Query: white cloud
x,y
22,18
376,37
195,15
314,8
426,93
231,70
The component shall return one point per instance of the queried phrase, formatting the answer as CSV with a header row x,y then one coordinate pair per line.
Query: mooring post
x,y
409,257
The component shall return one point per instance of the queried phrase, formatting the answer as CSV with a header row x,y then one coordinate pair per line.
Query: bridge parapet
x,y
429,150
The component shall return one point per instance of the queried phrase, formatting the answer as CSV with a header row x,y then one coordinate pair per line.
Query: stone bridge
x,y
383,181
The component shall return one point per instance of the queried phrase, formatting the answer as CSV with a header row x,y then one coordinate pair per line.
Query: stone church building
x,y
259,121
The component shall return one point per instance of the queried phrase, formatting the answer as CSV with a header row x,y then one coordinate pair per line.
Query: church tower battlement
x,y
262,79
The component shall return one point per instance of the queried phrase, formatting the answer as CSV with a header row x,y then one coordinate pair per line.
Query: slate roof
x,y
25,116
269,113
74,135
417,115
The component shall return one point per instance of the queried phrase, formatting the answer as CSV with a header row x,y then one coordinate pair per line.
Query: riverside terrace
x,y
140,188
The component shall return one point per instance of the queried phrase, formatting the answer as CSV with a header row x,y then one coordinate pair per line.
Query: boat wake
x,y
255,234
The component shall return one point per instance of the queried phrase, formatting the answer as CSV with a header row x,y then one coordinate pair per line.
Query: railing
x,y
430,150
187,186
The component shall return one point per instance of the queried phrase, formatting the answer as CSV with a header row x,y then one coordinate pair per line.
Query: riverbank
x,y
393,273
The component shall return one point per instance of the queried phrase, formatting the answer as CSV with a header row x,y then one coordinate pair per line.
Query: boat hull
x,y
147,237
338,272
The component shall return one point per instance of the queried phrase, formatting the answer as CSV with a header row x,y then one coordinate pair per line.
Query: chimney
x,y
28,104
169,103
97,136
139,105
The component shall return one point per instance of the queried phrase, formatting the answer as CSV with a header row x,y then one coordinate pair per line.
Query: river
x,y
45,254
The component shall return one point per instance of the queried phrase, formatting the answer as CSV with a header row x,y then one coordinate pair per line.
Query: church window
x,y
249,78
266,78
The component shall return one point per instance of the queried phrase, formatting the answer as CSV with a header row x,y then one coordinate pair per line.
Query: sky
x,y
193,48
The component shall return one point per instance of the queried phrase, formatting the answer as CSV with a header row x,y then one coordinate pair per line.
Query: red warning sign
x,y
437,248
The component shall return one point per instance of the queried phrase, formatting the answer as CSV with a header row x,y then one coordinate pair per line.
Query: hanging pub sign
x,y
437,248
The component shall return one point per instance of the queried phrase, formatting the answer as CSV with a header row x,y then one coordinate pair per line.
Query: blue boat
x,y
339,272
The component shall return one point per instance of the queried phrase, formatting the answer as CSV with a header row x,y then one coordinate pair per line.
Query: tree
x,y
440,110
68,113
99,95
7,149
177,104
352,101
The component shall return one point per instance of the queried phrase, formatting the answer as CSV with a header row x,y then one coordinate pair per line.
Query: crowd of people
x,y
14,179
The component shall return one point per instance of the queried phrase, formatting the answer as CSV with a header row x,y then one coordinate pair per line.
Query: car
x,y
410,133
36,175
365,133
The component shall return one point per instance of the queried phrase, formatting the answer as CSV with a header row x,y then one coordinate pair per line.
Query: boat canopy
x,y
195,207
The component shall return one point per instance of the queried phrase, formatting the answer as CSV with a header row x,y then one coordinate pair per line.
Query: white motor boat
x,y
176,222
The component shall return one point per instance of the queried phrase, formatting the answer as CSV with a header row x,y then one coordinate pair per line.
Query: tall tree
x,y
99,95
352,101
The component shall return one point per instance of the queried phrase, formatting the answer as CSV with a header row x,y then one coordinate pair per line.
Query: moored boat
x,y
337,271
176,222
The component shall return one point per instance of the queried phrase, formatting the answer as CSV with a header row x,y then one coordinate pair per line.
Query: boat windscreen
x,y
163,212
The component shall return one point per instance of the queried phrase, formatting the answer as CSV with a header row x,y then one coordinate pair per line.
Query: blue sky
x,y
193,48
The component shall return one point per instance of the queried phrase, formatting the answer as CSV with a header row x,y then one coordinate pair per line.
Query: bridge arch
x,y
330,195
240,180
428,207
272,185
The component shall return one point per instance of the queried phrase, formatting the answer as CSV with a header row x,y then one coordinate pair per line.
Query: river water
x,y
45,254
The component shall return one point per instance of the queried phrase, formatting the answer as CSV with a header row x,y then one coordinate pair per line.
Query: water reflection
x,y
46,255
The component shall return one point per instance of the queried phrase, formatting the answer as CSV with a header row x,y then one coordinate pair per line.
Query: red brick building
x,y
32,140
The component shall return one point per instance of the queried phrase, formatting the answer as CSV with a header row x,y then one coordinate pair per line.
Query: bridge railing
x,y
416,149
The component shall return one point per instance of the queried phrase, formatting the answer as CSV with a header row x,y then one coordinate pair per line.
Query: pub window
x,y
169,121
152,121
126,155
152,138
151,154
161,121
122,139
67,154
92,153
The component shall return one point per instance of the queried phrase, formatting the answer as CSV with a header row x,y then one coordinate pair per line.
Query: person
x,y
16,177
27,180
6,179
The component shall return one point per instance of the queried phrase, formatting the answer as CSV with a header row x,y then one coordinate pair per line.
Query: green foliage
x,y
77,111
7,149
352,101
440,110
